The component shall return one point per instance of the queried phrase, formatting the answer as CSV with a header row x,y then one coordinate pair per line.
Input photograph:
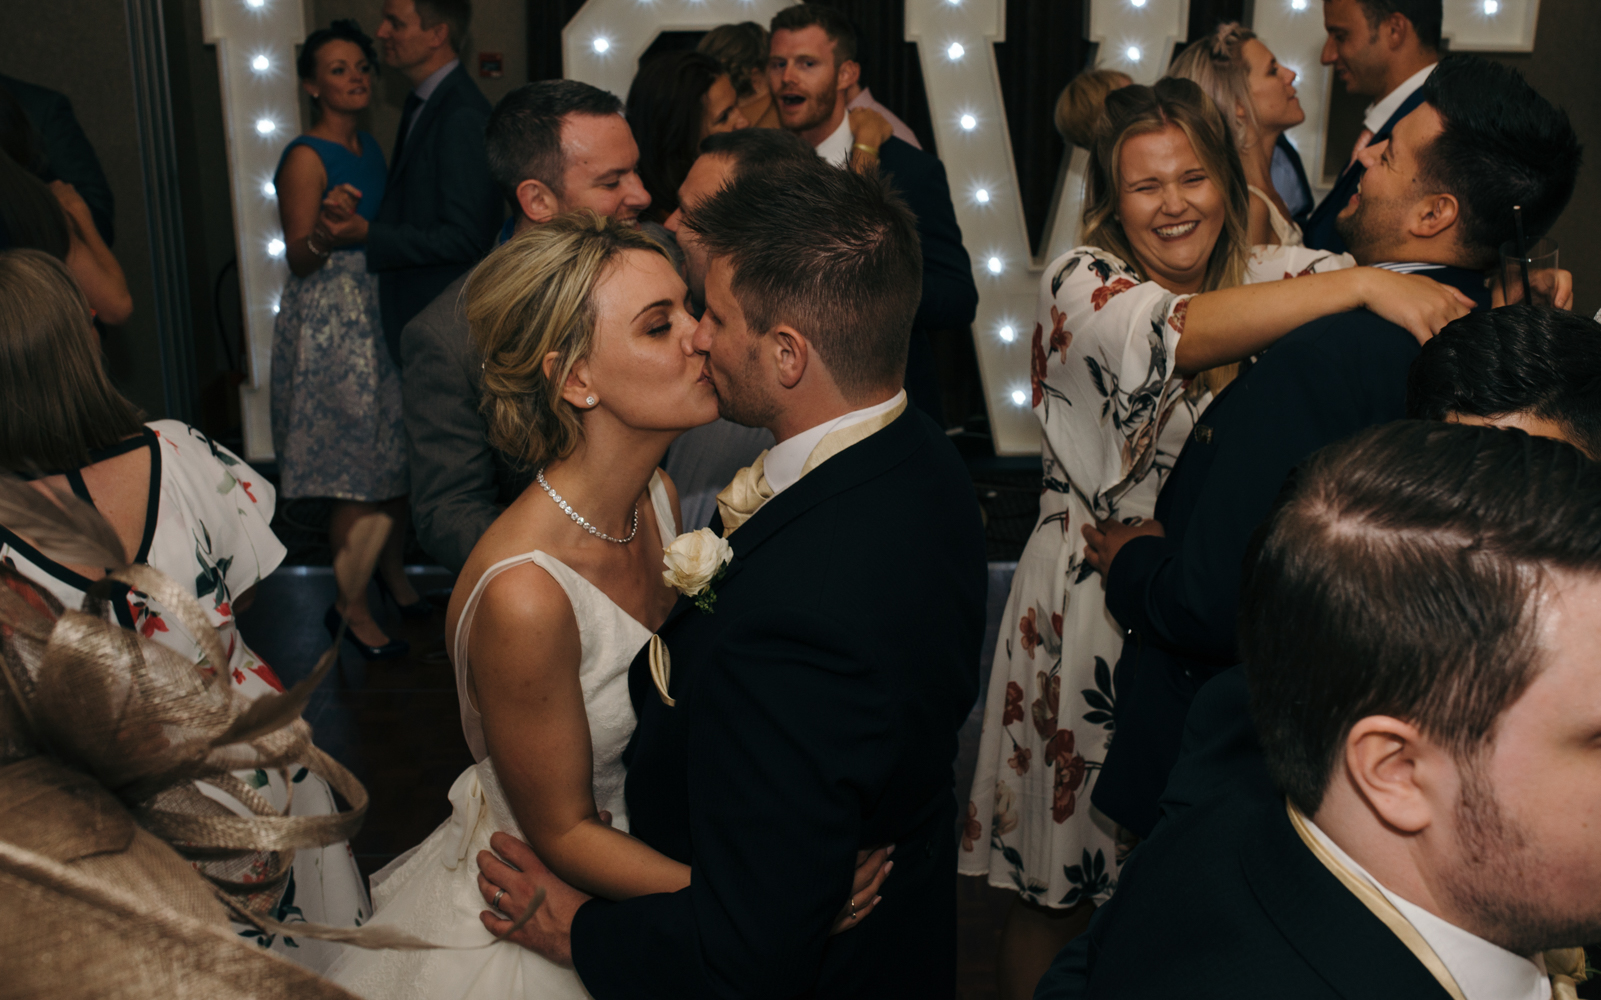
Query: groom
x,y
815,705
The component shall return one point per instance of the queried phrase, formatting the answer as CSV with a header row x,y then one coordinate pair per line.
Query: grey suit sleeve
x,y
469,204
453,486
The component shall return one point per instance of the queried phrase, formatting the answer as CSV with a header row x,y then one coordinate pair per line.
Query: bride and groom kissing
x,y
705,785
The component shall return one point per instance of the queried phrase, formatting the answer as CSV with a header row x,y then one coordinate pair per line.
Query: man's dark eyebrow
x,y
658,302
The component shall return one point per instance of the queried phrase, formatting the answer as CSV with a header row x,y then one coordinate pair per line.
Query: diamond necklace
x,y
540,475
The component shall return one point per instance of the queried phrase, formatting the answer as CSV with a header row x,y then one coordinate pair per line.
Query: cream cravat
x,y
1565,966
743,497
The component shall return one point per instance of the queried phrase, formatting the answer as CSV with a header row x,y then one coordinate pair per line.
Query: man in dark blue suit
x,y
69,156
812,65
811,706
1436,199
1418,624
1382,49
441,208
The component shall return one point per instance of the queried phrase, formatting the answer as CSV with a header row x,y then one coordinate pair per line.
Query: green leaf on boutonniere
x,y
708,597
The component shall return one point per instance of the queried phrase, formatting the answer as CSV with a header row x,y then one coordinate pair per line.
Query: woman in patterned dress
x,y
336,419
180,504
1136,330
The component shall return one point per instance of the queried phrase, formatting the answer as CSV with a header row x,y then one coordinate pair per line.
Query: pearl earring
x,y
589,400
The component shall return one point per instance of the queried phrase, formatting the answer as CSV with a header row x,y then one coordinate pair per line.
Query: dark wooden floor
x,y
397,726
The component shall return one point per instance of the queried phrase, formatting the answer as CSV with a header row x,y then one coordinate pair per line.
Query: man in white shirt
x,y
1421,628
1383,50
811,66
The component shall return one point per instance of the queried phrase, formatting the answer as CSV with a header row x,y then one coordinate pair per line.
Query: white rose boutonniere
x,y
695,561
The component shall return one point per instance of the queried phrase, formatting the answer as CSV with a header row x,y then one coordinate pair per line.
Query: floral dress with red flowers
x,y
1114,416
207,526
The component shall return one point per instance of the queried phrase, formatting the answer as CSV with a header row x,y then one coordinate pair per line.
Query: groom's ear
x,y
791,354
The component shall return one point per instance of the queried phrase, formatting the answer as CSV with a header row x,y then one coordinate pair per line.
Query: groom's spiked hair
x,y
830,252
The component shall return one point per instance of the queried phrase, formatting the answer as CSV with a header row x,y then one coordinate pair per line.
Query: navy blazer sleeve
x,y
950,297
803,738
1322,383
469,209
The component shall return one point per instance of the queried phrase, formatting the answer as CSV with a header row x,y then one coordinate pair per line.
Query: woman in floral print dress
x,y
1164,291
180,504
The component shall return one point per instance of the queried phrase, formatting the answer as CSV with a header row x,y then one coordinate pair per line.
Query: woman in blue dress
x,y
336,418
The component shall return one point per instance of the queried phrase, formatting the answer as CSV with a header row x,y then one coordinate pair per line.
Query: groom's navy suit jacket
x,y
817,711
1178,595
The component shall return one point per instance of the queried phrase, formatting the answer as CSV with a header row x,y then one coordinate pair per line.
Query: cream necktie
x,y
1362,142
743,497
1565,966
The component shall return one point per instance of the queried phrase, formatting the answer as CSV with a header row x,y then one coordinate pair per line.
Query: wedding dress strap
x,y
665,523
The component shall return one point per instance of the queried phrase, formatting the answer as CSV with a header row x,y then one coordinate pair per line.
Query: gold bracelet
x,y
869,150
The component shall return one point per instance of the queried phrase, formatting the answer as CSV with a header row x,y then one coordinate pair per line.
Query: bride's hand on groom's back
x,y
872,867
549,930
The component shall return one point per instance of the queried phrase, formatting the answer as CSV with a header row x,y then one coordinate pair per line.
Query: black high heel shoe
x,y
417,609
394,649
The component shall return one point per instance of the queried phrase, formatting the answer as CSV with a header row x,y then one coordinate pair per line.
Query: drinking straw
x,y
1523,254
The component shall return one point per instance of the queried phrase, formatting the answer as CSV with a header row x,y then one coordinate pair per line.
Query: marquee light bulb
x,y
1019,397
1137,3
1298,4
275,308
995,265
255,4
956,51
261,64
602,44
268,189
1492,6
275,248
982,196
266,126
1008,334
1134,54
969,123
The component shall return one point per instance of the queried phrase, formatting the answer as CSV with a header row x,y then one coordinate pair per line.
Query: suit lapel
x,y
855,465
1327,926
430,110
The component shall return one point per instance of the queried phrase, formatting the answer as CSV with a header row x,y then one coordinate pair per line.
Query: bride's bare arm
x,y
525,684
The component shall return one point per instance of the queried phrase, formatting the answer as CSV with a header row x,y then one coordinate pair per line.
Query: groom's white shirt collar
x,y
784,461
1483,970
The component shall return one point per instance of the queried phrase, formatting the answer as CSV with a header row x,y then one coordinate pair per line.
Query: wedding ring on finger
x,y
495,902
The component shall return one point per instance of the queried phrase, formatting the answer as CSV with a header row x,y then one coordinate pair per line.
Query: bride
x,y
590,373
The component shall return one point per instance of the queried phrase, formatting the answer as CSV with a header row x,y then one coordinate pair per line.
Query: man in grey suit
x,y
554,146
440,210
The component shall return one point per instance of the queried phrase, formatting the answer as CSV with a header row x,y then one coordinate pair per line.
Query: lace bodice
x,y
609,638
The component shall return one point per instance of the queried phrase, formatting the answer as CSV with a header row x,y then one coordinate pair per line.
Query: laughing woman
x,y
1137,329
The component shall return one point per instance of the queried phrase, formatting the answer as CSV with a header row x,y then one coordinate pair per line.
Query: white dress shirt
x,y
782,467
426,90
1380,111
836,149
1484,971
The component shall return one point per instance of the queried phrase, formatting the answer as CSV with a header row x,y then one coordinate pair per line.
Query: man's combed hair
x,y
759,148
523,137
1503,145
1522,359
835,25
1426,16
830,252
1400,575
457,15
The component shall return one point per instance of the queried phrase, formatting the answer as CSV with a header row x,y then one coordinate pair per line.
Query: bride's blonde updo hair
x,y
530,297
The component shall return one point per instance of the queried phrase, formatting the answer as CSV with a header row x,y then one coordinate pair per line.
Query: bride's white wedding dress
x,y
432,890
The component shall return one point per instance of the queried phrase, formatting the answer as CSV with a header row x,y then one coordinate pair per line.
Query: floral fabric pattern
x,y
337,427
1114,416
212,532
